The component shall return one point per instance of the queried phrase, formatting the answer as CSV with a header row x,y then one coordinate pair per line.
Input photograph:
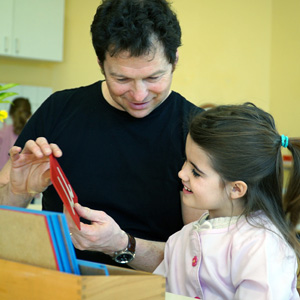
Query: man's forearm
x,y
148,255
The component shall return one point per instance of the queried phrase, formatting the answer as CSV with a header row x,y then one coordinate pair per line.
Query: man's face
x,y
137,85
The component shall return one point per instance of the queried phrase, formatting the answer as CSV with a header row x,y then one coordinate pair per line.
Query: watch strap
x,y
131,243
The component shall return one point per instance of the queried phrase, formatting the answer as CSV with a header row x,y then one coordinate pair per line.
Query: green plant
x,y
4,95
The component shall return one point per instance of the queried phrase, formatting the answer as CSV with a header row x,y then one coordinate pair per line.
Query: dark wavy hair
x,y
20,112
134,26
243,144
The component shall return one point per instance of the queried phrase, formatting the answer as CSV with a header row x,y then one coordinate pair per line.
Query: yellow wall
x,y
285,66
225,57
233,51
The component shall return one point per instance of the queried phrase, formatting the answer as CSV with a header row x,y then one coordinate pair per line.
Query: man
x,y
122,140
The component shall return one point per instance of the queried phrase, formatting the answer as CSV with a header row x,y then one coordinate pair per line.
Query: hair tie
x,y
284,141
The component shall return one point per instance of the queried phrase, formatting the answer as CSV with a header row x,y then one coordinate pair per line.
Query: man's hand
x,y
27,173
103,234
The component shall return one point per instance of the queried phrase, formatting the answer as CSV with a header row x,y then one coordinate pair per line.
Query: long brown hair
x,y
243,144
20,112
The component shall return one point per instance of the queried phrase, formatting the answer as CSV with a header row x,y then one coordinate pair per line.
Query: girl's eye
x,y
196,174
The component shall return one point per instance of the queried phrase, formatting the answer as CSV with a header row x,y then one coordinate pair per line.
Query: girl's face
x,y
203,187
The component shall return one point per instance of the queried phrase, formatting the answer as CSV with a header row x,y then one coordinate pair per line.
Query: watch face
x,y
124,258
127,255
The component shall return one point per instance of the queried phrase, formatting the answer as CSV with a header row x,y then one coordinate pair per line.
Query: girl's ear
x,y
238,189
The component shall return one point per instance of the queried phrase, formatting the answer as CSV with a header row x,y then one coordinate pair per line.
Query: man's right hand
x,y
28,172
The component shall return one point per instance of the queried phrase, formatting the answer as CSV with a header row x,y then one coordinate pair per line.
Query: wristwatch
x,y
126,255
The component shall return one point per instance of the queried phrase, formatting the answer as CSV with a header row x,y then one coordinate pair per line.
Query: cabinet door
x,y
6,25
38,29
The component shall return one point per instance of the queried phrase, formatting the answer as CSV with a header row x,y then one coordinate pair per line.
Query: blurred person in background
x,y
19,112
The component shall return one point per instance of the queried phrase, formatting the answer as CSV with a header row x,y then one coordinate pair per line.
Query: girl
x,y
243,247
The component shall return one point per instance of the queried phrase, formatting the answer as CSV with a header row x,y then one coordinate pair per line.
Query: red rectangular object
x,y
64,189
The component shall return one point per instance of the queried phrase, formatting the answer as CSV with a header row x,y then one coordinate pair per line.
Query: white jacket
x,y
227,258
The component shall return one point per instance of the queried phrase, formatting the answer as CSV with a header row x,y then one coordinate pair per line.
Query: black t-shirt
x,y
127,167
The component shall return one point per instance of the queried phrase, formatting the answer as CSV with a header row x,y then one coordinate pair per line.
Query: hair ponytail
x,y
292,196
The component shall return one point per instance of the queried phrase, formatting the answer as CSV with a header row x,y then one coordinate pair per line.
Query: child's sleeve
x,y
264,267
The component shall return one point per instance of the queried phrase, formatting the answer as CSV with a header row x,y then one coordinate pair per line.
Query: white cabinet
x,y
32,29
